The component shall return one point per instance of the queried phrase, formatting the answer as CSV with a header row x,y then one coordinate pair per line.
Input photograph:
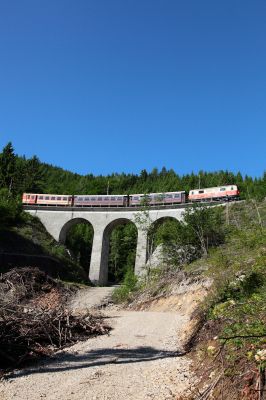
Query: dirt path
x,y
138,360
92,297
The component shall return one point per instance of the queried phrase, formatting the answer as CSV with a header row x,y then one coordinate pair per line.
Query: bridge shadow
x,y
95,358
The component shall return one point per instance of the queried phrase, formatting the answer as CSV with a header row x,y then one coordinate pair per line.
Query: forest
x,y
19,174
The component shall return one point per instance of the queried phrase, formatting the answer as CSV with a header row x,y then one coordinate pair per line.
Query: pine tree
x,y
7,167
34,179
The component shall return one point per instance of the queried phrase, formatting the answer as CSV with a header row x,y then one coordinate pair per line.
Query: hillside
x,y
226,336
25,242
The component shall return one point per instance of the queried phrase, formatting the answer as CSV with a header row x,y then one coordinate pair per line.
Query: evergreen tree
x,y
34,179
7,167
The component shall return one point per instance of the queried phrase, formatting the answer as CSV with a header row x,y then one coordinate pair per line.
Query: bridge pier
x,y
99,258
141,252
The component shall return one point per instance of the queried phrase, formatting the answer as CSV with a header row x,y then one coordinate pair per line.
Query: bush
x,y
127,288
10,212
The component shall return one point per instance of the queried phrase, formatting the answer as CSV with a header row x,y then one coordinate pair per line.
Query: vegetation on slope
x,y
181,242
229,352
25,241
232,343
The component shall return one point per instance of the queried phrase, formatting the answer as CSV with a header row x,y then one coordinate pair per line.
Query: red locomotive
x,y
230,192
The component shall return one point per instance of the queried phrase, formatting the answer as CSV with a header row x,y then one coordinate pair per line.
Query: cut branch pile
x,y
32,324
28,333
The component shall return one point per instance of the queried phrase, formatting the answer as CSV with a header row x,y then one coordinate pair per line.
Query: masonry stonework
x,y
57,223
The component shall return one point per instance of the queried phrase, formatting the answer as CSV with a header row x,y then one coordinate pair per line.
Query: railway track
x,y
119,209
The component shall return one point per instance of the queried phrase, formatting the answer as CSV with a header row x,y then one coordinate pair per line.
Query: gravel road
x,y
138,360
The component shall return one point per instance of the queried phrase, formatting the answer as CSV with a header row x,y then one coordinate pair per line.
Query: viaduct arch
x,y
58,222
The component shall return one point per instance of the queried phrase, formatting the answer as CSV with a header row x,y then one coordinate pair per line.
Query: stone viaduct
x,y
59,221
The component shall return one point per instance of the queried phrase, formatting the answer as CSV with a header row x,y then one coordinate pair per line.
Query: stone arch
x,y
160,220
152,231
68,225
106,244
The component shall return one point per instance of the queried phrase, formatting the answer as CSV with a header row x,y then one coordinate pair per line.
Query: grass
x,y
235,310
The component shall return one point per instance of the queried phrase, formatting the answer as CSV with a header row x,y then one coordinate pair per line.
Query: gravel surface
x,y
89,298
138,360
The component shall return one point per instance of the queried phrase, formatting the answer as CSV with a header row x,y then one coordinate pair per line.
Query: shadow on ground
x,y
96,358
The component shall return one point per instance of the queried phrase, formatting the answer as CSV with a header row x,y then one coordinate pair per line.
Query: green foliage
x,y
169,231
237,300
10,210
202,230
7,167
79,242
34,176
122,254
19,174
127,288
204,226
27,236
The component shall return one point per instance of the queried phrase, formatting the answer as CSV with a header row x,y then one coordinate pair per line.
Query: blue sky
x,y
120,85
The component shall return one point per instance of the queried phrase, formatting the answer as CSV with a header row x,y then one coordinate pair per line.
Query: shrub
x,y
128,286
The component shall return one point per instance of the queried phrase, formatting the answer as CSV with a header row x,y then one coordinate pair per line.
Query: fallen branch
x,y
241,337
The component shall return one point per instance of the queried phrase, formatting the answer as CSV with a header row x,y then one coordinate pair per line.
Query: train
x,y
227,192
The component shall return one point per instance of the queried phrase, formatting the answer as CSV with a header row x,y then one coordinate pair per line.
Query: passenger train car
x,y
157,198
47,199
228,192
100,201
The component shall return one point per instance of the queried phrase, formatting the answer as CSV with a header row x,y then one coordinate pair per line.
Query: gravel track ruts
x,y
138,360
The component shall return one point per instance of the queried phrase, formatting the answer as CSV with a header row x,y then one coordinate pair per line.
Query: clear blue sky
x,y
120,85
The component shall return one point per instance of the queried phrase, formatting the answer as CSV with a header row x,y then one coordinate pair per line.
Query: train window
x,y
53,198
222,189
168,196
80,199
99,199
135,198
177,195
106,198
46,197
87,199
58,198
28,196
32,197
40,197
92,198
201,191
192,192
232,187
112,198
65,198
